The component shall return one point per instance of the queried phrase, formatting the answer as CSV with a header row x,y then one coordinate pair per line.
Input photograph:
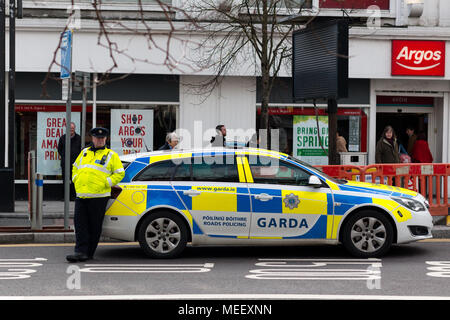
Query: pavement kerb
x,y
42,237
439,232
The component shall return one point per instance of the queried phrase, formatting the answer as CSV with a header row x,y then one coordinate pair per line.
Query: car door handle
x,y
263,197
191,193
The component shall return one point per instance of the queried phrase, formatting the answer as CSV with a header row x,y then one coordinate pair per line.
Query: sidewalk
x,y
15,227
53,218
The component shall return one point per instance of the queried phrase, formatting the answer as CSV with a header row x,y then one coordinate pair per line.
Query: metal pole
x,y
94,104
67,163
39,198
12,88
31,179
83,113
2,80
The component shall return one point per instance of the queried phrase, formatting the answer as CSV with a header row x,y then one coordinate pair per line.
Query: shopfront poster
x,y
131,130
51,126
307,144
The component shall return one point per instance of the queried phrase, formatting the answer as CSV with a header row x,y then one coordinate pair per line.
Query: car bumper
x,y
417,228
119,227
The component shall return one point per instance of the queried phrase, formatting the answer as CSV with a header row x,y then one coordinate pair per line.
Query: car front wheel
x,y
162,235
368,234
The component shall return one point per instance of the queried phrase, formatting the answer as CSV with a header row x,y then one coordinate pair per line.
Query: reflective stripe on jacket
x,y
95,172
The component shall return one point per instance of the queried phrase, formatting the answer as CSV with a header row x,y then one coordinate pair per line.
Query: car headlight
x,y
411,204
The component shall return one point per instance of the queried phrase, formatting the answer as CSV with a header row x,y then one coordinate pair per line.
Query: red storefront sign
x,y
353,4
48,108
418,58
407,101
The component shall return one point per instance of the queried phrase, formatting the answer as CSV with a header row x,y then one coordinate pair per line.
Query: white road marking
x,y
228,297
439,269
147,268
316,269
17,268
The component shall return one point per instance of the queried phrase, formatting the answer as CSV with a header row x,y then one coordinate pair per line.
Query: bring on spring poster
x,y
306,140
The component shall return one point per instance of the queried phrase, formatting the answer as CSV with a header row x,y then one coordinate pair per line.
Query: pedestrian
x,y
95,171
75,148
387,147
411,139
219,139
172,141
341,143
421,151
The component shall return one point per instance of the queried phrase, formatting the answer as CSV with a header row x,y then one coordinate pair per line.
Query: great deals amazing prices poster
x,y
131,130
51,126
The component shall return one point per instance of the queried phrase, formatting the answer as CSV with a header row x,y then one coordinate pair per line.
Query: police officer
x,y
95,171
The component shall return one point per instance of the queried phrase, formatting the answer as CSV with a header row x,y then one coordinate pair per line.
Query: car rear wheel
x,y
368,234
162,235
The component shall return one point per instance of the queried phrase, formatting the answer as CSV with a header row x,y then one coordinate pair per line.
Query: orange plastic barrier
x,y
430,179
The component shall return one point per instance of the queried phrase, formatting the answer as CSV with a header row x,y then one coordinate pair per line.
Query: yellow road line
x,y
436,240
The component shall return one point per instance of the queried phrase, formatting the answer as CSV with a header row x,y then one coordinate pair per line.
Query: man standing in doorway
x,y
411,140
95,171
75,148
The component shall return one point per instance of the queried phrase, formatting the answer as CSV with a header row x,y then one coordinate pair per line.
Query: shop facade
x,y
380,93
139,110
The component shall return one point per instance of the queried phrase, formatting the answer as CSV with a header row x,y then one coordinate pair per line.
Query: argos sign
x,y
418,58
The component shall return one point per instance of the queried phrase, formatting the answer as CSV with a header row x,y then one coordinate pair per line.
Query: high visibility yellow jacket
x,y
95,171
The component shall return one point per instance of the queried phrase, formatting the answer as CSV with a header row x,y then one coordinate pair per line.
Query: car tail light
x,y
115,192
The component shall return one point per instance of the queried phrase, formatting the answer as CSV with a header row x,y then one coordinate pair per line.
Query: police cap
x,y
99,132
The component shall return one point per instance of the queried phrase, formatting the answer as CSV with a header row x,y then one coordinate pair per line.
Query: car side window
x,y
215,168
159,171
274,171
183,170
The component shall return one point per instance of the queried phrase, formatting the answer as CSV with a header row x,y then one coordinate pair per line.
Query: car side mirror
x,y
314,182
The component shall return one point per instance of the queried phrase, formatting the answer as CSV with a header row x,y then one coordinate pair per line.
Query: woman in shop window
x,y
387,150
421,151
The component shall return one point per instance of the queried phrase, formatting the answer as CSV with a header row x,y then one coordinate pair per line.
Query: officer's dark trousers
x,y
88,220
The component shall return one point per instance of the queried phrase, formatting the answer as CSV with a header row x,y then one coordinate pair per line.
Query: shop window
x,y
298,136
33,133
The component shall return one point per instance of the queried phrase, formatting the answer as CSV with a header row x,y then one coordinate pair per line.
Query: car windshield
x,y
315,170
125,164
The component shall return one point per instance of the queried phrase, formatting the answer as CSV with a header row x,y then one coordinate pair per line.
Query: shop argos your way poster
x,y
307,144
131,130
51,126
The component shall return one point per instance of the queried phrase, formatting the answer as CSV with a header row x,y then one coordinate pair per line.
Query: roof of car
x,y
200,151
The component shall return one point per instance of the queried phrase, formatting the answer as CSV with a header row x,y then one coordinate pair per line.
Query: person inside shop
x,y
341,143
421,151
172,141
219,139
411,139
75,148
95,171
387,150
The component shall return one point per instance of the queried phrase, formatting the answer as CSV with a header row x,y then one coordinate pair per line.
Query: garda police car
x,y
255,197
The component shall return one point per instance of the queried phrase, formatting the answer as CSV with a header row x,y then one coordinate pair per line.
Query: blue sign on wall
x,y
66,55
